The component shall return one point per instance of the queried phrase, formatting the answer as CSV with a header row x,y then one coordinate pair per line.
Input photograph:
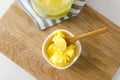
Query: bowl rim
x,y
77,43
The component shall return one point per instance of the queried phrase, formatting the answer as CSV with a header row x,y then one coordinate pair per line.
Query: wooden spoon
x,y
71,40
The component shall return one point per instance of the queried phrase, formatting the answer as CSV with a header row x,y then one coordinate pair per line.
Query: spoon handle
x,y
89,34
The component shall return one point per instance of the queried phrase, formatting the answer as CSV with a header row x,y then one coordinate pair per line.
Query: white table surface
x,y
8,69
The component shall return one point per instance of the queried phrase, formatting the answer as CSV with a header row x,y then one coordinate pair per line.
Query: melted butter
x,y
52,8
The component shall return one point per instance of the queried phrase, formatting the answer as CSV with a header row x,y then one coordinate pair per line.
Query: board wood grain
x,y
21,41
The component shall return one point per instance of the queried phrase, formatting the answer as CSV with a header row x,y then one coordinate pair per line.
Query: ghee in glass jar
x,y
53,9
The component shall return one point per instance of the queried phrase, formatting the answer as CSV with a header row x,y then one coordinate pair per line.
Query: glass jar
x,y
53,9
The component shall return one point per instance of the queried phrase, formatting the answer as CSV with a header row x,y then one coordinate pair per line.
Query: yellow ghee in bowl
x,y
58,52
52,8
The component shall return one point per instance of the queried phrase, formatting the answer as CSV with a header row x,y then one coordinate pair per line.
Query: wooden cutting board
x,y
21,41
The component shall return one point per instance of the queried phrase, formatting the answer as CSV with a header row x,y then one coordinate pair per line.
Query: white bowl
x,y
77,43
